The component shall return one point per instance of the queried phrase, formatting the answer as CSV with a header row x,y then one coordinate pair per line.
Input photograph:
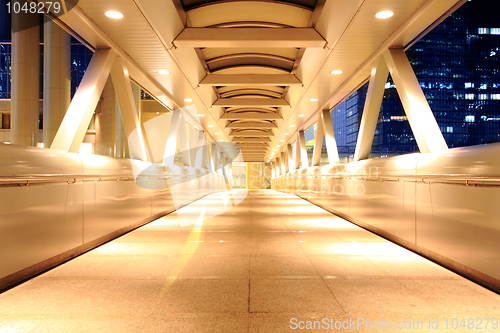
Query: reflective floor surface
x,y
273,263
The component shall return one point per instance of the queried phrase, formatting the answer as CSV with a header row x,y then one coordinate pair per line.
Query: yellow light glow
x,y
210,126
337,72
163,72
114,15
285,134
313,100
201,115
216,133
188,100
301,115
384,14
292,125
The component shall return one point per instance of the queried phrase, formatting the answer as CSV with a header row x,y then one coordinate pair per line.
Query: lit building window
x,y
483,96
469,96
449,129
470,119
495,96
495,31
469,85
483,86
483,31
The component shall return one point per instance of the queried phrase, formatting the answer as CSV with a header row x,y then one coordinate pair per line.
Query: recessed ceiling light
x,y
301,115
285,134
114,15
336,72
276,150
188,100
292,125
221,140
163,72
210,125
278,146
216,133
384,14
201,115
313,100
282,140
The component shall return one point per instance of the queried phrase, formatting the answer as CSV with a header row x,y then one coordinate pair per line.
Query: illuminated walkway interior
x,y
272,258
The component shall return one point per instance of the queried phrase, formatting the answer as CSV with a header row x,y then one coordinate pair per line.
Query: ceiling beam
x,y
251,79
251,115
264,145
251,102
251,133
261,139
249,37
250,125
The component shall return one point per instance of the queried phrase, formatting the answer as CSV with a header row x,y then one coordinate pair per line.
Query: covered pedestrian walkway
x,y
273,263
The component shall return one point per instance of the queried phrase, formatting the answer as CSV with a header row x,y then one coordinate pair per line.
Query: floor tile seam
x,y
326,284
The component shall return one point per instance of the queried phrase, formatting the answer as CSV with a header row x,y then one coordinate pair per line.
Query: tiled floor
x,y
255,268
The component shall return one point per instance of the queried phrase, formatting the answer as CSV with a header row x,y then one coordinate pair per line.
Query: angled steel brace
x,y
74,126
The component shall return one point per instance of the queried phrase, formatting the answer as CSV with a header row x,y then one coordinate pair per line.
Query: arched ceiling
x,y
253,66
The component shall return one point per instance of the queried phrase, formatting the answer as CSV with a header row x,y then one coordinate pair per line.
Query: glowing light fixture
x,y
188,100
282,140
114,15
336,72
201,115
301,115
285,133
384,14
278,146
216,133
221,140
292,125
163,72
313,100
210,126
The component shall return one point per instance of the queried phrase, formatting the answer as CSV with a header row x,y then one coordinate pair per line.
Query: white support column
x,y
422,121
278,167
285,160
291,161
296,154
331,144
215,159
318,142
56,79
184,141
374,97
303,150
25,79
74,126
282,162
171,145
128,110
273,169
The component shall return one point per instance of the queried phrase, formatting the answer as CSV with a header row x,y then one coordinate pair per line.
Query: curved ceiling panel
x,y
250,93
191,4
216,13
246,69
249,59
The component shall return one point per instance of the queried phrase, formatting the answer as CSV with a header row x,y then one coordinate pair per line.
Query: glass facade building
x,y
457,65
